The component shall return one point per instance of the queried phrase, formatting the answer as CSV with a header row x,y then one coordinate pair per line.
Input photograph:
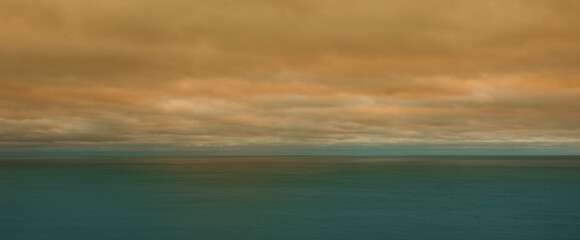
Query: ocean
x,y
293,197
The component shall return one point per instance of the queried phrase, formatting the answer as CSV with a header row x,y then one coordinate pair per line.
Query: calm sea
x,y
437,197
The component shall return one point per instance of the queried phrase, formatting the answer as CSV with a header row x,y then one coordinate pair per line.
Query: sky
x,y
289,77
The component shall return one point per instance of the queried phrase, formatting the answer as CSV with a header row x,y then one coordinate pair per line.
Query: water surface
x,y
302,197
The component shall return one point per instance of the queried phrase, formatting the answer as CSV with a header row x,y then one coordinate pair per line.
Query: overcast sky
x,y
289,76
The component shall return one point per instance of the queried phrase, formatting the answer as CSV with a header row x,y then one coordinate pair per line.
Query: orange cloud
x,y
237,73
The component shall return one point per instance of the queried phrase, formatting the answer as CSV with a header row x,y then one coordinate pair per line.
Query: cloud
x,y
179,74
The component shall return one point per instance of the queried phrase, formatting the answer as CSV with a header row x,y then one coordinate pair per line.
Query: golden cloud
x,y
253,72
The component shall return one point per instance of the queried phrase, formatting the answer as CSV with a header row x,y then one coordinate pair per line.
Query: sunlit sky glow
x,y
289,77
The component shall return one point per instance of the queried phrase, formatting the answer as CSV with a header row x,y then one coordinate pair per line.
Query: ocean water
x,y
313,197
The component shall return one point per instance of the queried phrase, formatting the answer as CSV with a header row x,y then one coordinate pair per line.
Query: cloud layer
x,y
185,75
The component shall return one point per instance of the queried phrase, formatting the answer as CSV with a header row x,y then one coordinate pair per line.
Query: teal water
x,y
290,198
